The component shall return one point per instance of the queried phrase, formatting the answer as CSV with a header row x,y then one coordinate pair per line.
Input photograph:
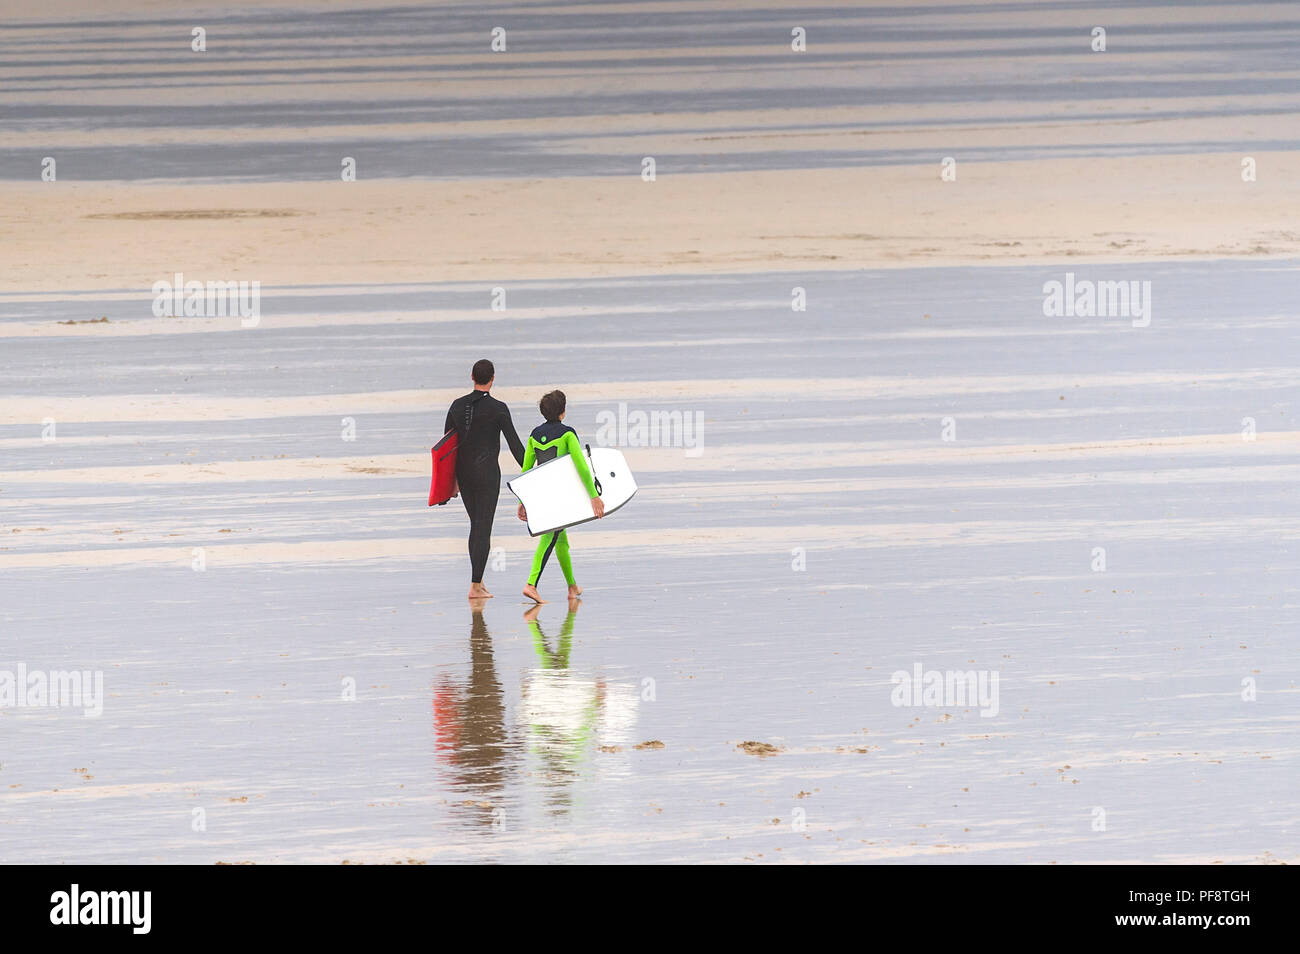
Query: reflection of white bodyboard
x,y
553,495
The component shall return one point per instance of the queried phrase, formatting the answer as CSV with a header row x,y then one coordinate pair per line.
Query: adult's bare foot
x,y
530,591
477,591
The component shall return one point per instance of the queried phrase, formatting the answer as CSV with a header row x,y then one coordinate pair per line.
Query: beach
x,y
880,457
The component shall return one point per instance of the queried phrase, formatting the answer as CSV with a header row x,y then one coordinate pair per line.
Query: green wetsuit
x,y
548,441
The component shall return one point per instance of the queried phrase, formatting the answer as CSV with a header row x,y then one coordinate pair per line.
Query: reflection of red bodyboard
x,y
443,486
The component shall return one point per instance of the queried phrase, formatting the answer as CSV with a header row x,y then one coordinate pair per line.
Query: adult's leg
x,y
468,498
481,505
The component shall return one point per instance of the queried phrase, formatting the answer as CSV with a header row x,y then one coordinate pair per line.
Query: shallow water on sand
x,y
763,591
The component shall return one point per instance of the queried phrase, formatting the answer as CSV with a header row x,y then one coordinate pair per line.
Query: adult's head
x,y
552,405
483,373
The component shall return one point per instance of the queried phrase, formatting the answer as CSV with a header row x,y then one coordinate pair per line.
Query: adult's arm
x,y
449,425
508,429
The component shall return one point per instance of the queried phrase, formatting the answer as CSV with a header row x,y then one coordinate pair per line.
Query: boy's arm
x,y
574,449
530,455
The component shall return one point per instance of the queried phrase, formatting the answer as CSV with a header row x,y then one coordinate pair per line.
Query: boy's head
x,y
483,372
552,405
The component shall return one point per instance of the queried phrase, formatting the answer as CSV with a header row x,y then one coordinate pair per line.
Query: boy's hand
x,y
598,506
523,514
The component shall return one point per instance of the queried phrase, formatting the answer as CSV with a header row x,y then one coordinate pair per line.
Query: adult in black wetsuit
x,y
480,421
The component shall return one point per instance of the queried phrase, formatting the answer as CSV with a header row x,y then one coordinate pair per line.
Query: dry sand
x,y
111,236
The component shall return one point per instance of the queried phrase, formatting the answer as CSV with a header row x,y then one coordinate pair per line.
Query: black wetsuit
x,y
480,421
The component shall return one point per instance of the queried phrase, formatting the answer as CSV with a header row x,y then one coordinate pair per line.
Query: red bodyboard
x,y
443,486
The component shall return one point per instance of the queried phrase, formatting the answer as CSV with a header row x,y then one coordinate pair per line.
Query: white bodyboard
x,y
554,497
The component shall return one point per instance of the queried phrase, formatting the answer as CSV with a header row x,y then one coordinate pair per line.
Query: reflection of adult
x,y
469,720
480,421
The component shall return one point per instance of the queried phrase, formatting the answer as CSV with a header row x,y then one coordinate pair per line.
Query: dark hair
x,y
551,405
483,371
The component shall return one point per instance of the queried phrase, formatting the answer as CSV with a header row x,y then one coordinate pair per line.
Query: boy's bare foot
x,y
477,591
530,591
574,603
575,591
533,612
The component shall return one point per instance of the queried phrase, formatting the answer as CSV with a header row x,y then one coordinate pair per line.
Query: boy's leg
x,y
545,544
566,564
562,551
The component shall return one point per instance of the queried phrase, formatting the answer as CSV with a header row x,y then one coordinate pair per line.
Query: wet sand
x,y
723,693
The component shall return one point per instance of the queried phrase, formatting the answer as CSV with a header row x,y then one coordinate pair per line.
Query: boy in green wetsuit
x,y
549,440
